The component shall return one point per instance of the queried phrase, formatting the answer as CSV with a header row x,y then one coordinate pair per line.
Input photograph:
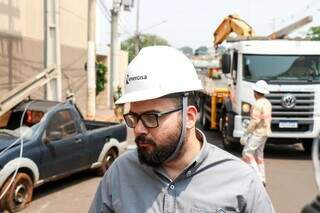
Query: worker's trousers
x,y
253,154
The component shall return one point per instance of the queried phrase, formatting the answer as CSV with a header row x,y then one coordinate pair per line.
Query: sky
x,y
192,22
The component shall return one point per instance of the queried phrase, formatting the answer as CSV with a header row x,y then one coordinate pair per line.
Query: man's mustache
x,y
142,139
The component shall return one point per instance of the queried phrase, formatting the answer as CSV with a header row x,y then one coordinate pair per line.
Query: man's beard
x,y
158,153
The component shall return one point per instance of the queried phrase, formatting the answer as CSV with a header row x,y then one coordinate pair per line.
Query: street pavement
x,y
290,183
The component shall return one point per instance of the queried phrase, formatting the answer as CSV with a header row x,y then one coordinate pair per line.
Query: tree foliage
x,y
201,51
101,80
314,33
145,40
188,51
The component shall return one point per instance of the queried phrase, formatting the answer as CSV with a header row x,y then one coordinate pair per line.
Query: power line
x,y
105,8
104,14
303,10
73,13
105,11
124,28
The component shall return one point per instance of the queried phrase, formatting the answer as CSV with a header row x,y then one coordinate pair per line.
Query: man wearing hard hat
x,y
174,168
258,130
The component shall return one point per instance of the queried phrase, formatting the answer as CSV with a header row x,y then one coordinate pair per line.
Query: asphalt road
x,y
290,183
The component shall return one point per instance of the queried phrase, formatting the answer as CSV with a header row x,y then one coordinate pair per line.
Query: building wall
x,y
21,44
22,47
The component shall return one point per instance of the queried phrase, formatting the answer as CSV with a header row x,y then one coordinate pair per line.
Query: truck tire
x,y
307,146
19,194
108,159
226,142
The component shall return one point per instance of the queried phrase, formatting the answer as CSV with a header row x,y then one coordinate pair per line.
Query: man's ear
x,y
192,114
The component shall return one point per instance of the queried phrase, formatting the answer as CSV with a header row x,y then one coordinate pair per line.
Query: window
x,y
62,124
284,68
234,65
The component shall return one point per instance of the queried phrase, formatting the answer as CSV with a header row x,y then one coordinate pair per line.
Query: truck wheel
x,y
19,195
108,159
227,144
307,146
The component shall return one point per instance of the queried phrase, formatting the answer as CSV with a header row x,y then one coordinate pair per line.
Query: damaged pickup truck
x,y
41,141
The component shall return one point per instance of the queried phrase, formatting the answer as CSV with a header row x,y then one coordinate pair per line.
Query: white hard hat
x,y
158,71
261,87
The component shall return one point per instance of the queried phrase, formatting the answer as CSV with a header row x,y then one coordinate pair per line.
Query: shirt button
x,y
171,187
188,173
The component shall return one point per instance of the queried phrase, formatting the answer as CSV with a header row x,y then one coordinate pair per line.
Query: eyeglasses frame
x,y
157,115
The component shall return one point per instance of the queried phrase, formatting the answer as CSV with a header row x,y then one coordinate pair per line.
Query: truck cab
x,y
292,70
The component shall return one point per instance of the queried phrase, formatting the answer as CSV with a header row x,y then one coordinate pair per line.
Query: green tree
x,y
145,40
188,51
201,51
314,33
101,80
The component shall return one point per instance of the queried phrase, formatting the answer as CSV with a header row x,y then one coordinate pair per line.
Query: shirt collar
x,y
204,148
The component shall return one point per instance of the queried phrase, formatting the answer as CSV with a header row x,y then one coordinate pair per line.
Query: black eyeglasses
x,y
149,119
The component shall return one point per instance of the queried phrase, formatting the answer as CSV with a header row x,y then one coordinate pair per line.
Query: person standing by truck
x,y
174,168
258,130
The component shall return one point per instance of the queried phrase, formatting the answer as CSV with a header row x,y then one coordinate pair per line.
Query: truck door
x,y
63,148
234,71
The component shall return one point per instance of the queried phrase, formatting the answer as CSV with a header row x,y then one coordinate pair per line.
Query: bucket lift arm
x,y
15,96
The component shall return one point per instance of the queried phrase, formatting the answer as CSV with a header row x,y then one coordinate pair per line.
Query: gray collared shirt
x,y
215,181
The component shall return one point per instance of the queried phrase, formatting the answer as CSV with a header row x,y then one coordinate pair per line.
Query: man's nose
x,y
140,128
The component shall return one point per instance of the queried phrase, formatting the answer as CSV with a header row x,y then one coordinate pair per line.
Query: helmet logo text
x,y
135,78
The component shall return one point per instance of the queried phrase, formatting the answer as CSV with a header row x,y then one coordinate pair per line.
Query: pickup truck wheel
x,y
108,159
19,194
227,144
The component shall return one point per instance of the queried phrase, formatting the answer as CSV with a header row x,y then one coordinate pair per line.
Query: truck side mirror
x,y
226,63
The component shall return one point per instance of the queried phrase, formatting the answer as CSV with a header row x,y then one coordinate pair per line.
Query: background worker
x,y
174,168
258,130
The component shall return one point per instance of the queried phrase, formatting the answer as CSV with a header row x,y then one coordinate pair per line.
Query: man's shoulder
x,y
226,160
262,103
128,165
130,157
227,167
263,100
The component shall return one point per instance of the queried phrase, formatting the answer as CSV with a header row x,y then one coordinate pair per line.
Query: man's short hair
x,y
193,99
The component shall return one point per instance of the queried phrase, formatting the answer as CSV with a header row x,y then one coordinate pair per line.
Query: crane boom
x,y
244,31
232,23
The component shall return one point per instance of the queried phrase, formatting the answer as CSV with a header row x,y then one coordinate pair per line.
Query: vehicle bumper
x,y
296,133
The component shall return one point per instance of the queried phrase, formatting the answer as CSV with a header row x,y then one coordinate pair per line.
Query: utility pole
x,y
137,37
115,11
52,52
91,60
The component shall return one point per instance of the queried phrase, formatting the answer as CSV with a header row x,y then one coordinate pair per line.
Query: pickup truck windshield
x,y
283,68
